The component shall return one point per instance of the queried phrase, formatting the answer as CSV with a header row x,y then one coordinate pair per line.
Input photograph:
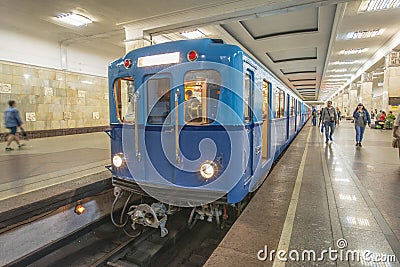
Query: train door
x,y
265,118
287,116
160,127
248,118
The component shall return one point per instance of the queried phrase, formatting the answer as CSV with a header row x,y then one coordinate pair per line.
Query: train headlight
x,y
118,160
208,170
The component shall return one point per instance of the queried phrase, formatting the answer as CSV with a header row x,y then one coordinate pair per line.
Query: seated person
x,y
382,117
390,118
192,107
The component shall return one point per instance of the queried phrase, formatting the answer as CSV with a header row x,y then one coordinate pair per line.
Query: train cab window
x,y
124,100
158,100
279,103
201,87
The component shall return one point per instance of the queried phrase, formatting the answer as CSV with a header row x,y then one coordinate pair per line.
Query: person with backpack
x,y
361,119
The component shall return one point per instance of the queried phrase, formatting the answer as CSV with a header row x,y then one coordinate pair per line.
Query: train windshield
x,y
202,90
124,99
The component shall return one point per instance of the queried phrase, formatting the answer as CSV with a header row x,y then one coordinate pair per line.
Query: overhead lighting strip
x,y
376,5
354,51
73,19
346,62
364,34
193,34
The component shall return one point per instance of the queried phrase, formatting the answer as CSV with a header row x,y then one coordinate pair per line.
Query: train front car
x,y
177,129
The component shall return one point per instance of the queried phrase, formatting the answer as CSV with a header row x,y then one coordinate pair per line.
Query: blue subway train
x,y
195,123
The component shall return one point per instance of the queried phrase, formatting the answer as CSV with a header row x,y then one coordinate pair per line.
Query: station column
x,y
340,103
366,90
353,98
345,98
391,83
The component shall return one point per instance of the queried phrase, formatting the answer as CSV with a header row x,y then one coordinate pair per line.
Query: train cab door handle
x,y
177,94
169,131
135,98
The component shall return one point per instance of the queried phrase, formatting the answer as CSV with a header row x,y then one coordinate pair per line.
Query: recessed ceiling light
x,y
338,70
353,51
340,75
375,5
364,34
193,34
335,79
345,62
377,73
73,19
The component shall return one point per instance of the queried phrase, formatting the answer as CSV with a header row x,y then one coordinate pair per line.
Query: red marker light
x,y
127,63
192,55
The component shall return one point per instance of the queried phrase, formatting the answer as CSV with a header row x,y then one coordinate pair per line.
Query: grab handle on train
x,y
177,94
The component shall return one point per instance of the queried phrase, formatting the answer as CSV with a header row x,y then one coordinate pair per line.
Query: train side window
x,y
265,103
201,87
298,108
246,98
282,103
158,100
292,105
124,99
279,103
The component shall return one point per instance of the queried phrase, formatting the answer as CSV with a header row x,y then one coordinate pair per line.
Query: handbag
x,y
23,133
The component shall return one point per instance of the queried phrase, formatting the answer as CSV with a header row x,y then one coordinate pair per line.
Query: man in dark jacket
x,y
329,120
12,120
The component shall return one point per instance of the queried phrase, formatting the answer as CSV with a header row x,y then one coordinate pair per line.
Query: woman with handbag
x,y
361,119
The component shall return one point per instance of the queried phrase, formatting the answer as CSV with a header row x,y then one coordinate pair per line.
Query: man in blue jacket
x,y
12,120
361,119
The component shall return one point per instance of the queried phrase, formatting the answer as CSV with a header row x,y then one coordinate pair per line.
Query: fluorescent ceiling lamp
x,y
346,62
74,19
338,70
364,34
340,75
193,34
377,73
336,79
354,51
161,59
375,5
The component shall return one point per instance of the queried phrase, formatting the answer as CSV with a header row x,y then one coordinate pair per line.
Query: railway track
x,y
106,245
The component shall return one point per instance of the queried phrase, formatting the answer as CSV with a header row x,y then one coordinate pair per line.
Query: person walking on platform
x,y
396,134
329,120
12,120
314,116
338,115
361,119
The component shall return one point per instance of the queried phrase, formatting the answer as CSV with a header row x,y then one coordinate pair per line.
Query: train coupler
x,y
153,216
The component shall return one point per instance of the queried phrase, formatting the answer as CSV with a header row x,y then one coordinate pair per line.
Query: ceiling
x,y
300,41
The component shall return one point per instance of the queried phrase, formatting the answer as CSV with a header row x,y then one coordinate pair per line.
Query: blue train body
x,y
238,129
